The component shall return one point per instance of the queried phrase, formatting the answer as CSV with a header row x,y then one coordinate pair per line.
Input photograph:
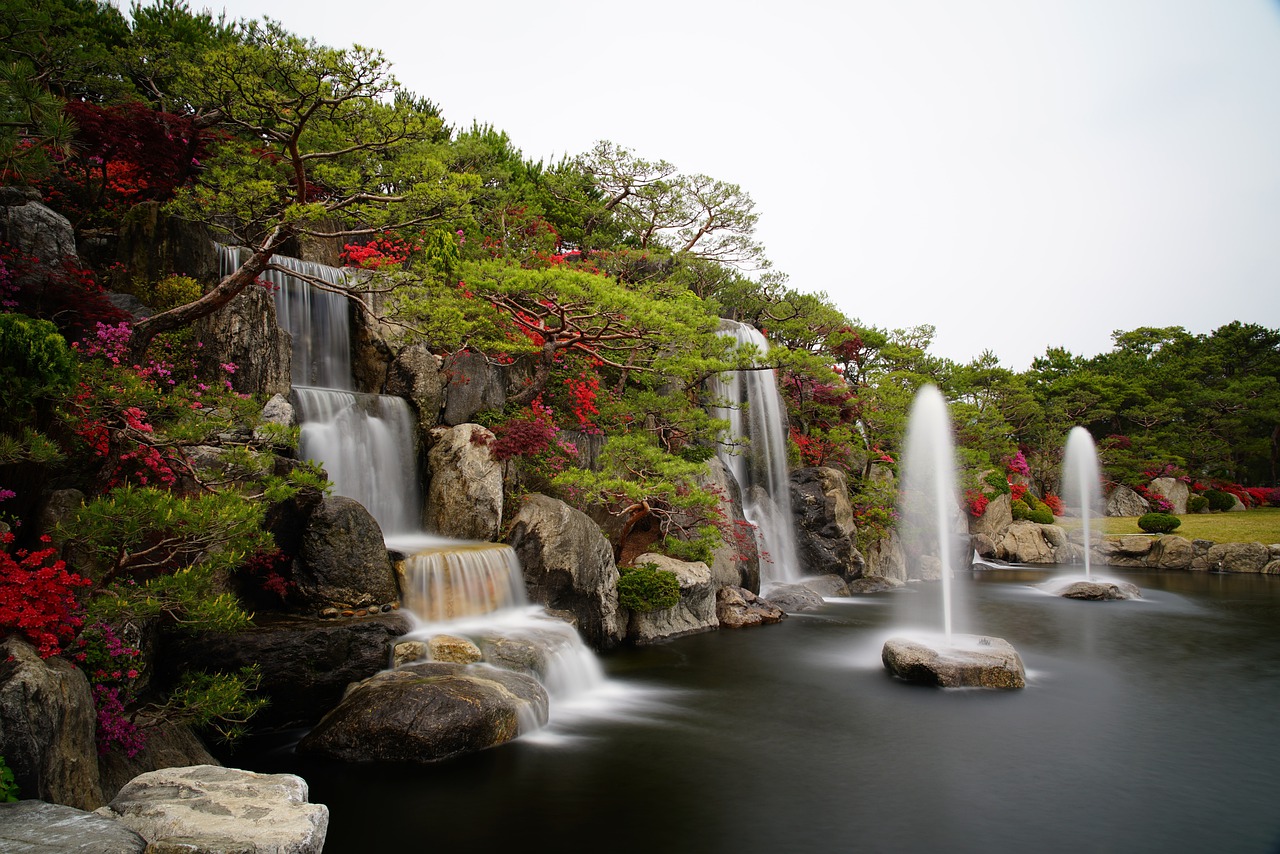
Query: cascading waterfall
x,y
760,468
366,444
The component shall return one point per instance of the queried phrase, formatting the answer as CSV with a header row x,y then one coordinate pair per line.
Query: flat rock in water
x,y
1094,590
968,661
39,827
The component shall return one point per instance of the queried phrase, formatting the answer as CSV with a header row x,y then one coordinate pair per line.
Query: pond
x,y
1144,726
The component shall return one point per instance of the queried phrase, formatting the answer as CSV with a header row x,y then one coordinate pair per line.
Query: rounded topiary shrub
x,y
646,588
1197,503
1158,523
1041,514
1219,500
1020,509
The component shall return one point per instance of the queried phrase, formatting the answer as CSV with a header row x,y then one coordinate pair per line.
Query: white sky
x,y
1018,173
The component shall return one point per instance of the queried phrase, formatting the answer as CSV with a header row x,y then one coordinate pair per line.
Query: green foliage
x,y
220,703
1041,514
997,482
1158,523
1021,510
645,588
8,785
36,367
167,293
1219,500
1197,503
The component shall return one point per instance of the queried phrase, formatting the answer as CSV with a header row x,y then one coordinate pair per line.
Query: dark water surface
x,y
1145,726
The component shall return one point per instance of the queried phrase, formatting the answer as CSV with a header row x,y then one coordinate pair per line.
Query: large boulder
x,y
997,516
245,333
168,745
343,561
415,375
1091,590
208,808
35,230
39,827
152,246
464,499
1174,491
794,598
305,664
738,608
1123,501
826,537
886,558
736,563
47,727
472,384
967,661
1238,557
1128,550
1028,542
568,566
1171,552
695,612
428,711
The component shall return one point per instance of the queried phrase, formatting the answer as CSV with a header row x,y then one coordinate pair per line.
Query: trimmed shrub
x,y
1041,514
646,588
1219,500
1196,503
1020,509
1158,523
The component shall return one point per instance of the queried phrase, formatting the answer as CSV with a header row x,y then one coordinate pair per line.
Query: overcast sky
x,y
1018,173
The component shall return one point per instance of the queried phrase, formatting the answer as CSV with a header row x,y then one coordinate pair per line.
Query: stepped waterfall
x,y
751,403
367,445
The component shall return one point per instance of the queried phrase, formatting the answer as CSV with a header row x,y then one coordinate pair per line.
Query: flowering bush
x,y
37,597
379,253
977,502
112,668
1054,503
1017,464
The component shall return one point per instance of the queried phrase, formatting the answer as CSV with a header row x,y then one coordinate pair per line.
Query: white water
x,y
928,498
366,444
1081,487
759,464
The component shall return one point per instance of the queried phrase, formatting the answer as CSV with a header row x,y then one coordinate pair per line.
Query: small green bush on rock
x,y
1196,503
646,588
1158,523
1020,509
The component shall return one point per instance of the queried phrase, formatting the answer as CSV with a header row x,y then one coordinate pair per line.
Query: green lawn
x,y
1250,526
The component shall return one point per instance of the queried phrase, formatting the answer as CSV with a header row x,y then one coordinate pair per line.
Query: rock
x,y
306,664
58,508
472,384
1026,542
37,827
568,566
1174,491
1171,552
995,518
168,745
1272,568
47,726
128,303
1123,501
245,333
370,352
464,500
408,651
343,561
794,598
1093,590
695,612
826,537
453,648
735,563
153,246
739,608
415,375
1238,557
216,809
31,228
970,661
873,584
886,558
428,711
278,411
827,585
983,545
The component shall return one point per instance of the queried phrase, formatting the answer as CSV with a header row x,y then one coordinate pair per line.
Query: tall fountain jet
x,y
929,504
1081,487
755,411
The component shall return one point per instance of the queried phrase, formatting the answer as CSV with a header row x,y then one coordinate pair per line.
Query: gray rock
x,y
464,499
343,562
827,585
37,827
1026,542
971,661
1123,501
794,598
694,613
428,711
472,384
135,307
873,584
1272,568
168,745
415,376
568,566
735,563
1238,557
738,608
215,809
983,544
826,537
994,519
245,333
1174,491
47,727
886,557
1093,590
58,508
1171,552
152,246
38,231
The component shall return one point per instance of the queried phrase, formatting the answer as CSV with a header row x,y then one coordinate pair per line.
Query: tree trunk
x,y
541,375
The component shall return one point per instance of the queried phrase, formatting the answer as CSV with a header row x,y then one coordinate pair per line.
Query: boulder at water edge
x,y
738,608
343,561
464,499
1095,590
826,537
428,711
208,808
37,827
968,661
695,612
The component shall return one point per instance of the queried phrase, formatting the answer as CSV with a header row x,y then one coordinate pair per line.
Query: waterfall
x,y
366,444
760,465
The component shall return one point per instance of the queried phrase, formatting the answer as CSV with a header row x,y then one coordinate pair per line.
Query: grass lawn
x,y
1261,525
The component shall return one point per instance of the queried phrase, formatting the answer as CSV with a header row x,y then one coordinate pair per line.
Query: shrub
x,y
646,588
1158,523
1041,514
1054,503
997,481
1219,500
1196,503
8,785
1021,510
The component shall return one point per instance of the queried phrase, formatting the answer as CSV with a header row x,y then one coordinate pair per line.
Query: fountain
x,y
760,468
366,444
1081,490
929,502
